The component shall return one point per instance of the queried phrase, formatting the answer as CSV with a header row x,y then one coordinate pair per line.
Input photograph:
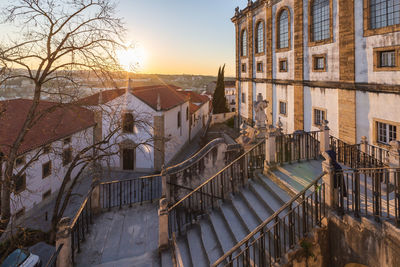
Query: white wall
x,y
178,137
35,184
200,116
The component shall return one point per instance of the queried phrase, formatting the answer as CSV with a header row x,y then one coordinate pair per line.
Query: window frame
x,y
23,188
314,117
124,129
377,51
375,122
50,169
241,44
368,30
179,119
286,107
244,68
314,62
64,162
277,30
281,60
262,67
256,43
243,98
311,41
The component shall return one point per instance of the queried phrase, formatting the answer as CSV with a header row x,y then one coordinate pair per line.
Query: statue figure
x,y
249,2
261,117
236,11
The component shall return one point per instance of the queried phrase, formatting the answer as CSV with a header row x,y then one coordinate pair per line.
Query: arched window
x,y
260,37
187,113
283,29
244,43
320,20
384,13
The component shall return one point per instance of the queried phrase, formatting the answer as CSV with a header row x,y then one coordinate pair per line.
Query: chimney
x,y
158,102
130,86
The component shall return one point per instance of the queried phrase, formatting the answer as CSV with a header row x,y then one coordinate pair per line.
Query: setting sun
x,y
133,58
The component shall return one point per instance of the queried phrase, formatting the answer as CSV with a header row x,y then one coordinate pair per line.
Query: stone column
x,y
364,144
95,197
324,137
270,148
165,186
331,193
163,240
63,236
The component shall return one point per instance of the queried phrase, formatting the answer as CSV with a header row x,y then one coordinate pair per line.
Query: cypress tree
x,y
219,99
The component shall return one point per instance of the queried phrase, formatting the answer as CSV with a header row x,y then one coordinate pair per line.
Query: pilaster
x,y
250,55
298,65
269,65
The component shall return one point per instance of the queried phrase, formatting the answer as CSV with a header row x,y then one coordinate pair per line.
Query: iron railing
x,y
379,153
369,192
352,156
80,224
216,188
266,244
297,146
53,259
128,192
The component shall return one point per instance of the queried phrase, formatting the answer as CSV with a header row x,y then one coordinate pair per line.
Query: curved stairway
x,y
222,228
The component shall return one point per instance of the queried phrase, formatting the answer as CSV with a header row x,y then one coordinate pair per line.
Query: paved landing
x,y
306,170
127,237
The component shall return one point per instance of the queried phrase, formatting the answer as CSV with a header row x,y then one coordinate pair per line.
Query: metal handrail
x,y
213,177
82,207
267,221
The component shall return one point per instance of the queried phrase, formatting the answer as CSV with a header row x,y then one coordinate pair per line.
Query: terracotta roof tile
x,y
101,97
61,122
195,97
169,96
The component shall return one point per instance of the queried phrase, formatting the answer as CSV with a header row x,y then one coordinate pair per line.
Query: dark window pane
x,y
283,29
320,20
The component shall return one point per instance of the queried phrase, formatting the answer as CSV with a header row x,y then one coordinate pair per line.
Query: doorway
x,y
128,158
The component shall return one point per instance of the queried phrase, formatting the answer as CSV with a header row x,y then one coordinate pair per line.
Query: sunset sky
x,y
182,36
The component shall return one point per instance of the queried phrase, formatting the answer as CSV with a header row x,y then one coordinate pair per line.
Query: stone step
x,y
184,251
197,250
210,241
247,216
236,225
270,202
274,189
222,231
253,203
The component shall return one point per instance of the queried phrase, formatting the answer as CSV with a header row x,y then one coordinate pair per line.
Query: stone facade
x,y
349,88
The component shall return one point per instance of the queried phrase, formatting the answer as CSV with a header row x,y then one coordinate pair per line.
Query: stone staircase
x,y
222,228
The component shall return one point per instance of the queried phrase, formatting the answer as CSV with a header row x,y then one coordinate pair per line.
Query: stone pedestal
x,y
324,137
163,241
63,236
270,148
165,186
95,197
329,177
394,160
364,144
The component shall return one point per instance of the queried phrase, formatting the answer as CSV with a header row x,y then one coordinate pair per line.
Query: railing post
x,y
95,196
329,178
270,149
163,241
364,145
63,236
165,185
324,137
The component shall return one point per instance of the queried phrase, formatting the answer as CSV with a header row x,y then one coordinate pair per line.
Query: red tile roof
x,y
61,122
169,96
101,97
195,97
193,108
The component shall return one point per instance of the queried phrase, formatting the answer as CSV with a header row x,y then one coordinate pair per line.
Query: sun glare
x,y
132,59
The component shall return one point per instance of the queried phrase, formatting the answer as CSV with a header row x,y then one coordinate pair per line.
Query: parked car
x,y
22,258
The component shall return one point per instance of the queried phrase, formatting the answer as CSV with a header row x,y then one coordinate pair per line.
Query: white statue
x,y
261,117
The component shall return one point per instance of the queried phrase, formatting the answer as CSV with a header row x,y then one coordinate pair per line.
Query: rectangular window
x,y
319,116
387,58
244,68
259,67
46,169
67,156
67,141
384,13
385,132
179,119
319,62
20,161
283,108
127,123
46,194
243,97
20,183
283,65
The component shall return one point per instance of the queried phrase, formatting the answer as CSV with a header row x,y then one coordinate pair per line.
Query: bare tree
x,y
56,39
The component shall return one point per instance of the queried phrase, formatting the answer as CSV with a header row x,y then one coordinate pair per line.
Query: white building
x,y
155,125
230,95
316,60
50,147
